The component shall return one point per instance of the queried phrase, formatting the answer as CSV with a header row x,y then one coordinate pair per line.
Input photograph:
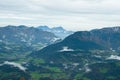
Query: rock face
x,y
58,31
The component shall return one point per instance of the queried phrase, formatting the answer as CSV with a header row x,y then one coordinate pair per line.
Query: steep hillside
x,y
83,55
22,40
101,39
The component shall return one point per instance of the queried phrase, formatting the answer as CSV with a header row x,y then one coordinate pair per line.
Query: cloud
x,y
79,6
65,48
113,57
72,14
14,64
12,16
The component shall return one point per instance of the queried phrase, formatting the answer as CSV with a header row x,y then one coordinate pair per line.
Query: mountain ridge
x,y
101,40
58,31
84,55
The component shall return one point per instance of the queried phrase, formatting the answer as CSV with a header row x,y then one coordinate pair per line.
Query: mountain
x,y
24,34
84,55
22,40
58,31
101,39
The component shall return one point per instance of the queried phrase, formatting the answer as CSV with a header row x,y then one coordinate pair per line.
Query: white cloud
x,y
16,65
72,14
65,48
114,57
12,16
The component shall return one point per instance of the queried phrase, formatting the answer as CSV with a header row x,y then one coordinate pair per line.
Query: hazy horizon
x,y
73,15
62,27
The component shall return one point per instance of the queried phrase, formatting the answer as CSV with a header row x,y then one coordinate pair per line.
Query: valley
x,y
83,55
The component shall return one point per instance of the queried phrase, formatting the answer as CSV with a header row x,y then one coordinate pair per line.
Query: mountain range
x,y
58,31
22,40
23,34
83,55
101,39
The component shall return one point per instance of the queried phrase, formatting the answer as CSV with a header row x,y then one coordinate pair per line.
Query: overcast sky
x,y
71,14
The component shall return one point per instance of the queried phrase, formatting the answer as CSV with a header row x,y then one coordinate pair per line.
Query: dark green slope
x,y
84,55
9,72
104,39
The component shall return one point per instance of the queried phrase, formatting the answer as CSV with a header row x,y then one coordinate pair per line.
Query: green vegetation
x,y
103,70
118,63
37,61
58,76
54,69
78,76
20,60
111,78
37,76
85,78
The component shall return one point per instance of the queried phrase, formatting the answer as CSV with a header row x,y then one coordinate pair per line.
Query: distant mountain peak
x,y
10,26
58,31
22,26
59,28
43,26
108,29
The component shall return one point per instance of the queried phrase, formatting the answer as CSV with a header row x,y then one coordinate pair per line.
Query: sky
x,y
71,14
